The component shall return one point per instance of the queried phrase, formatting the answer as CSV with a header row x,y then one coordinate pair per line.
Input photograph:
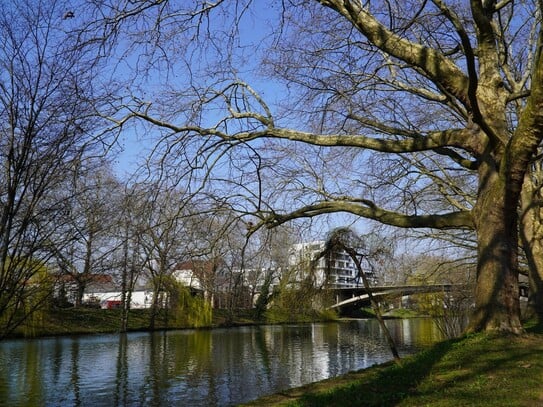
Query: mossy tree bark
x,y
497,304
531,235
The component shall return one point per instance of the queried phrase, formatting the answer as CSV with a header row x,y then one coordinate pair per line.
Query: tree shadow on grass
x,y
487,370
534,326
382,386
497,370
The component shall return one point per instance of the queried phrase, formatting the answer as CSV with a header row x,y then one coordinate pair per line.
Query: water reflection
x,y
198,368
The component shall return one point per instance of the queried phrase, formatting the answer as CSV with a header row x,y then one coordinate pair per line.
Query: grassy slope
x,y
82,321
479,370
89,321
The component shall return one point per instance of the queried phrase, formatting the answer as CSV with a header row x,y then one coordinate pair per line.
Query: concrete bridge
x,y
349,300
356,296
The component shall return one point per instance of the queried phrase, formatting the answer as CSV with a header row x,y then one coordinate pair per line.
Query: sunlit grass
x,y
479,370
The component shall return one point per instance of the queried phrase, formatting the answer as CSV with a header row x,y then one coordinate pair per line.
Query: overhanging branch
x,y
437,141
368,210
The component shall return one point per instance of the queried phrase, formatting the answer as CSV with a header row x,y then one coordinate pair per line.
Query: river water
x,y
218,367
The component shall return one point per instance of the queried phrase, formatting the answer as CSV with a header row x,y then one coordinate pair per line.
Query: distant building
x,y
104,292
334,270
193,274
203,277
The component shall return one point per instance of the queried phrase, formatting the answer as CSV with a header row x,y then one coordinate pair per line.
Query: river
x,y
218,367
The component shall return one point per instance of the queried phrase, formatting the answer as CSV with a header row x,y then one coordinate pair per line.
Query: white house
x,y
108,294
112,299
191,274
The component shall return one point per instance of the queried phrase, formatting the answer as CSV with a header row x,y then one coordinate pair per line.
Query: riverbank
x,y
478,370
76,321
194,367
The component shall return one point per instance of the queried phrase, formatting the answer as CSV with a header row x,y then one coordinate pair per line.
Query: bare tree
x,y
46,106
267,259
459,82
450,307
162,238
131,261
346,240
87,239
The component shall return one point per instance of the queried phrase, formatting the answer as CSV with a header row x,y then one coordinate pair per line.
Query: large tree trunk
x,y
531,233
497,306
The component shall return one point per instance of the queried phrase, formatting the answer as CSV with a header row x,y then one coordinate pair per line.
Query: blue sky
x,y
254,28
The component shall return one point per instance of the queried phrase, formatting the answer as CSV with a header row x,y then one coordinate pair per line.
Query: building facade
x,y
334,270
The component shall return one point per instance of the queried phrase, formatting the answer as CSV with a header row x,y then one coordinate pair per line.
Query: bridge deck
x,y
351,295
409,287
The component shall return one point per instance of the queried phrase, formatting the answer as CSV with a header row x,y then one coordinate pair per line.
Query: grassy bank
x,y
66,321
479,370
90,321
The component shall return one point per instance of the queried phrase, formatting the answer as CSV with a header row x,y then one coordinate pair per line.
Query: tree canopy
x,y
361,92
422,114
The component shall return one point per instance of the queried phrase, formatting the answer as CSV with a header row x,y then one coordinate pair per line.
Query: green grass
x,y
84,321
91,320
402,313
479,370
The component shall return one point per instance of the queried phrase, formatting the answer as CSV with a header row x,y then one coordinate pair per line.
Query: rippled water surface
x,y
216,367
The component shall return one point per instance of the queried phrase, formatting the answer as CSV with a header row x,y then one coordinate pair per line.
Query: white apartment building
x,y
337,270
